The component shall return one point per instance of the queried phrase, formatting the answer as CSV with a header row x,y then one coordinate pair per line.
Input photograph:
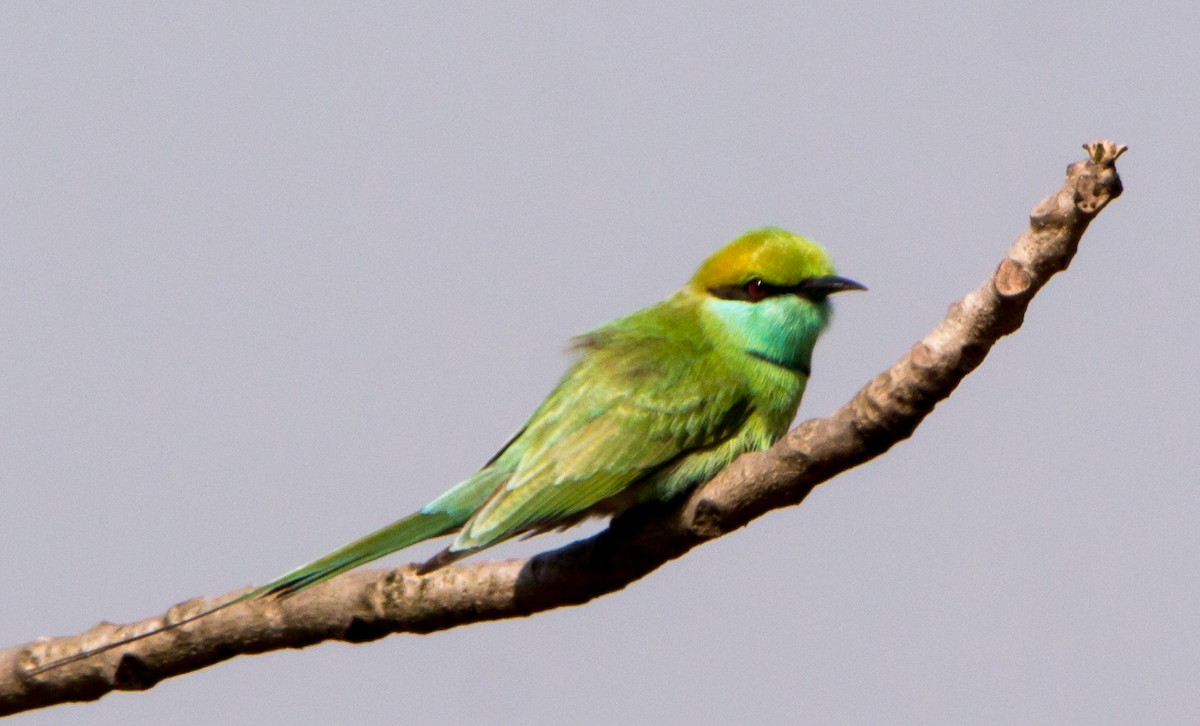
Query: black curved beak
x,y
818,288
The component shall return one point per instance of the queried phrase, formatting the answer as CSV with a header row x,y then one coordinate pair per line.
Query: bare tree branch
x,y
370,604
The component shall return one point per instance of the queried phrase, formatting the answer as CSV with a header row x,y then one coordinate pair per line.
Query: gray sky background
x,y
271,277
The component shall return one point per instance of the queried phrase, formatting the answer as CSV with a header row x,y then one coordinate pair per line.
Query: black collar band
x,y
793,367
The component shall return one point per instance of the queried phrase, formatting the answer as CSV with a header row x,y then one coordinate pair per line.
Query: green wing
x,y
647,391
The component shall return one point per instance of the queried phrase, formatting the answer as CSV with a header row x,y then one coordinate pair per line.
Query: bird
x,y
654,404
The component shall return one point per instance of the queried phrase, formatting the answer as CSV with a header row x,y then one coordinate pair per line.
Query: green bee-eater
x,y
655,403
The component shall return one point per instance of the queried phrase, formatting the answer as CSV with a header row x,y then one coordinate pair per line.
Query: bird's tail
x,y
441,516
412,529
398,535
81,655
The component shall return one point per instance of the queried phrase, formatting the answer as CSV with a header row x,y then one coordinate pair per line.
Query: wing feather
x,y
640,397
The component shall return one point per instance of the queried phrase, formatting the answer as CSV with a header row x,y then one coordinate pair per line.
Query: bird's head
x,y
765,294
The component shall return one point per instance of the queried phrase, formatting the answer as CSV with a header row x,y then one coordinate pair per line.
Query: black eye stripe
x,y
742,292
812,288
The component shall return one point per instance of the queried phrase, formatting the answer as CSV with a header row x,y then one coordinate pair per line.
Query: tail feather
x,y
412,529
141,636
441,516
398,535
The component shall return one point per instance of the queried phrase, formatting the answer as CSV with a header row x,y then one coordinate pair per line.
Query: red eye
x,y
756,289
